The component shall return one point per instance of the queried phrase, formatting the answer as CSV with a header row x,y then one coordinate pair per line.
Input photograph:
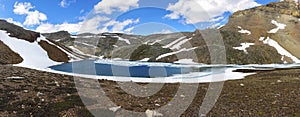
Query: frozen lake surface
x,y
154,72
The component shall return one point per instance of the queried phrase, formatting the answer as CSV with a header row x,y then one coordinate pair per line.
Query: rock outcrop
x,y
7,56
18,32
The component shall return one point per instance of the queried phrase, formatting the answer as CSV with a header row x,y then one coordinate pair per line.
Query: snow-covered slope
x,y
32,53
34,56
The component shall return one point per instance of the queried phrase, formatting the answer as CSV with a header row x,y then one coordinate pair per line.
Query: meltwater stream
x,y
153,72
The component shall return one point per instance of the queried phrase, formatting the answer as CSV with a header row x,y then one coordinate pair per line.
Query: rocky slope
x,y
262,35
277,21
28,48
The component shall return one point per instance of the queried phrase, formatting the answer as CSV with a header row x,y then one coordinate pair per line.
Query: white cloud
x,y
32,17
11,20
120,27
195,11
22,8
87,26
66,3
92,25
109,6
48,28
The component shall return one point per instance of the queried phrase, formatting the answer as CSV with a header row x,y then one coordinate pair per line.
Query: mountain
x,y
275,24
29,49
261,35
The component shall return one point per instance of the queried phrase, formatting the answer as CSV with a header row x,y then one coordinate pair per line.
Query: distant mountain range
x,y
262,35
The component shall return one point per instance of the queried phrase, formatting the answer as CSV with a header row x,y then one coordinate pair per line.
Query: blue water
x,y
89,67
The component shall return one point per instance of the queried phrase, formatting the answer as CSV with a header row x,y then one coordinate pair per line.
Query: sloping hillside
x,y
262,35
29,49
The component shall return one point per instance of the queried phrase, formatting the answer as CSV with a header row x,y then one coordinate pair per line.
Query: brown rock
x,y
53,52
7,56
18,32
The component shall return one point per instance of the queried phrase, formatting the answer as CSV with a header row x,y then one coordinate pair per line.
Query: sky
x,y
131,16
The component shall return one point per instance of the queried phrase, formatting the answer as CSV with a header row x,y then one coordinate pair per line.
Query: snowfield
x,y
34,56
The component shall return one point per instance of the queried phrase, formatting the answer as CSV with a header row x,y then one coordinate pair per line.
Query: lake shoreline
x,y
267,93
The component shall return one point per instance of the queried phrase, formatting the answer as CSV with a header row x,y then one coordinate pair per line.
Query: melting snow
x,y
244,31
279,26
122,39
176,52
145,59
174,42
186,61
280,49
178,45
33,54
244,47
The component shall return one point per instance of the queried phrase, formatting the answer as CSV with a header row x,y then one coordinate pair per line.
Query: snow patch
x,y
279,26
186,61
244,47
145,59
176,52
280,49
178,45
174,42
243,31
122,39
261,38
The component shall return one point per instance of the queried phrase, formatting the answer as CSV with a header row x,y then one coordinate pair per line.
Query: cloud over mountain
x,y
33,17
195,11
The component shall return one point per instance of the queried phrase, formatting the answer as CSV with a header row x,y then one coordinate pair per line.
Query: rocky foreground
x,y
26,92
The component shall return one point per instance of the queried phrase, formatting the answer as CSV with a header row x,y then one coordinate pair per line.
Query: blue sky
x,y
133,16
